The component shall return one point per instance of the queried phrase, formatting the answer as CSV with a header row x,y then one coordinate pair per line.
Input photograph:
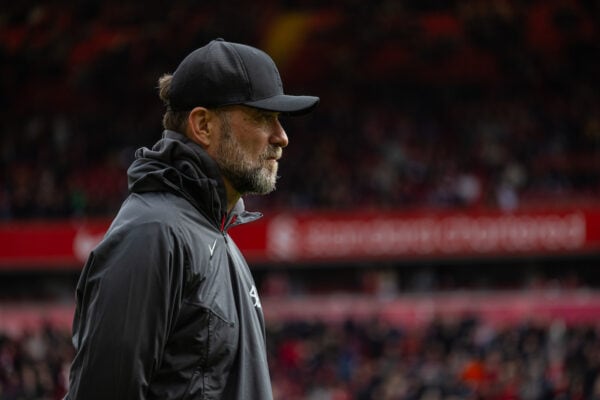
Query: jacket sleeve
x,y
127,299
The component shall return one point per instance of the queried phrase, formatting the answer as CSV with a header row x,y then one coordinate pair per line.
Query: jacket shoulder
x,y
168,214
163,208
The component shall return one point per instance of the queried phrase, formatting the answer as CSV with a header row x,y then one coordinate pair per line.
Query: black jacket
x,y
166,304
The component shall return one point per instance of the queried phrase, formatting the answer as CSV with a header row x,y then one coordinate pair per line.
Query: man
x,y
166,305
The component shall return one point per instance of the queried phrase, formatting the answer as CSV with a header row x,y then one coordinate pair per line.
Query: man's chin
x,y
265,187
265,183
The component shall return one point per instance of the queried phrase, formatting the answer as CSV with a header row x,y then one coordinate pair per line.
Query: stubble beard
x,y
246,176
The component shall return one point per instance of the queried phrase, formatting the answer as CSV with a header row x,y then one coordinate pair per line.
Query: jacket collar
x,y
176,164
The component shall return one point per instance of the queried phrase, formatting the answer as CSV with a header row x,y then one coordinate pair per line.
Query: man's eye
x,y
267,116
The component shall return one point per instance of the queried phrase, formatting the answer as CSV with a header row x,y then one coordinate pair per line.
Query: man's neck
x,y
232,195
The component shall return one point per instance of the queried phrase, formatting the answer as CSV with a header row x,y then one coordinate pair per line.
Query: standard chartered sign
x,y
290,238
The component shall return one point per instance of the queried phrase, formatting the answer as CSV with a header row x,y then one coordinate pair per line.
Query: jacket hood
x,y
178,165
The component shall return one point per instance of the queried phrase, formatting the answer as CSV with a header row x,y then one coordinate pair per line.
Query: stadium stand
x,y
462,359
427,107
450,105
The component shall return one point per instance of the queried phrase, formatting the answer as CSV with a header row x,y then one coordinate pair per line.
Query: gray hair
x,y
172,120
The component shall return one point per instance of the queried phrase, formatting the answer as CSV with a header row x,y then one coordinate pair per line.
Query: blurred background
x,y
436,229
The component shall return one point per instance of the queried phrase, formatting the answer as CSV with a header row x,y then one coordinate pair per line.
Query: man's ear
x,y
200,125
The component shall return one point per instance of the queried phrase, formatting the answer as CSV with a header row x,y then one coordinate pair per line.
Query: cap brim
x,y
286,104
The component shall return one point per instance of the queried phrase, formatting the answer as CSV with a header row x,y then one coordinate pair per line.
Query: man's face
x,y
250,143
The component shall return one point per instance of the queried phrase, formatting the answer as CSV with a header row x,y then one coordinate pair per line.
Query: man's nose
x,y
278,136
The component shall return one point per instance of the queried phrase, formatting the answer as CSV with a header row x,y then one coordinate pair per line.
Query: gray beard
x,y
243,176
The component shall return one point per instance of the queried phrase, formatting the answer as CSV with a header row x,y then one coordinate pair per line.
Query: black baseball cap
x,y
224,73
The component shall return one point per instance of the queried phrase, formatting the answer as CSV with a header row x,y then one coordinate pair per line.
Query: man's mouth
x,y
274,157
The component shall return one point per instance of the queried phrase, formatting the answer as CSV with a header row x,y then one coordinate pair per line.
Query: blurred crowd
x,y
462,359
35,366
424,103
447,360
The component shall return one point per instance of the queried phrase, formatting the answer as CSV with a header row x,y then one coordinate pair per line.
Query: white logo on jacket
x,y
212,248
254,295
